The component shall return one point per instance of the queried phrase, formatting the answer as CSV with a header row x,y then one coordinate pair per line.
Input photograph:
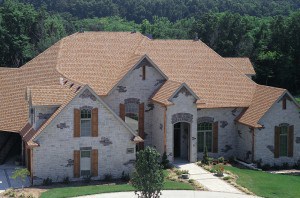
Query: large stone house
x,y
86,104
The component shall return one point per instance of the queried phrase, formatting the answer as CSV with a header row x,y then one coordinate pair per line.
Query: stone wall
x,y
41,114
183,110
227,131
158,128
54,157
133,86
244,143
264,138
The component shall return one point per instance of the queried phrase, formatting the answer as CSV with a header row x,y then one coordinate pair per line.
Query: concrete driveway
x,y
174,194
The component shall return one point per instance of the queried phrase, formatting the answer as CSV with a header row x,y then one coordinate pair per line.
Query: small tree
x,y
148,177
164,161
21,173
205,159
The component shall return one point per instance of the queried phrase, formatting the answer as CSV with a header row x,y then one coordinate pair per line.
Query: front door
x,y
177,134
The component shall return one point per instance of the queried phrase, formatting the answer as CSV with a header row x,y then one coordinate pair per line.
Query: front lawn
x,y
97,189
267,184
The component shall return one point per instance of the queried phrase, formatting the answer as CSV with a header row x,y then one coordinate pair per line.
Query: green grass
x,y
97,189
267,184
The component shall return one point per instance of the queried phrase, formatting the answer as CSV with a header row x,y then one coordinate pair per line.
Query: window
x,y
132,115
205,132
144,72
85,123
284,103
283,140
85,162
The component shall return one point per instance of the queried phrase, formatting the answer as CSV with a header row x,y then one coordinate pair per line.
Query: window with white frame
x,y
85,122
204,138
283,140
85,162
132,115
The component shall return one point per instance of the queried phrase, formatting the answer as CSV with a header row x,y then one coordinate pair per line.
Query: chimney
x,y
133,31
81,30
196,37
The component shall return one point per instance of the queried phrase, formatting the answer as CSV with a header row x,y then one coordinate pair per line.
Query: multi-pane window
x,y
283,141
205,132
85,162
85,122
132,115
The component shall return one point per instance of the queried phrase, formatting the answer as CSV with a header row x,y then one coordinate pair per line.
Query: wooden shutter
x,y
95,122
215,136
122,111
141,124
290,141
76,123
276,142
95,162
76,164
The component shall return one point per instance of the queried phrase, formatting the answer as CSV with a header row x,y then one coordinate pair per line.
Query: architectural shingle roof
x,y
264,97
100,59
244,65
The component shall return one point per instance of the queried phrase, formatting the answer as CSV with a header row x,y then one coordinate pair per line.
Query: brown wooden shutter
x,y
95,122
290,141
76,164
215,136
95,162
122,111
141,124
284,103
276,142
76,123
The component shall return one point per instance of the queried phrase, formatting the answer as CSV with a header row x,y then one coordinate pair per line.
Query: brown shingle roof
x,y
165,92
262,101
48,95
244,65
100,59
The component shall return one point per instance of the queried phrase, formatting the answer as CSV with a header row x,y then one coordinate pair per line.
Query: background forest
x,y
267,31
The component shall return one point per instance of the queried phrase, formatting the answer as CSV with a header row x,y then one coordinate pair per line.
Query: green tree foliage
x,y
148,177
21,174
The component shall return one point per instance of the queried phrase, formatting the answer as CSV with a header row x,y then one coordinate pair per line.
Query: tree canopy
x,y
265,31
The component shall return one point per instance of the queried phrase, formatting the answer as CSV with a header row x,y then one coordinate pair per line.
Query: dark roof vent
x,y
81,30
196,37
149,36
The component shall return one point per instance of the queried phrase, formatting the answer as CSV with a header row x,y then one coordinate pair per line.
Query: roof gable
x,y
71,97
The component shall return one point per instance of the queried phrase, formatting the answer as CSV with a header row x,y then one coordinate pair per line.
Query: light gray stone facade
x,y
264,138
55,154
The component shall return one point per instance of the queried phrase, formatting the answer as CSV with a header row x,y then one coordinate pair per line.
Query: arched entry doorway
x,y
182,140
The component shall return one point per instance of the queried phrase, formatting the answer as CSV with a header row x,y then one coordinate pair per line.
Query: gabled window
x,y
205,136
85,122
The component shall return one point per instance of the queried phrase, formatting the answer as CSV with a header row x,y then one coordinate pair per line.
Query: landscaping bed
x,y
59,190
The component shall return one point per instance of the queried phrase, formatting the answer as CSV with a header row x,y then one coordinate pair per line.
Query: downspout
x,y
165,130
253,141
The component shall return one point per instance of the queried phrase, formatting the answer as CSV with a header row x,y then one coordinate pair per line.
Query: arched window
x,y
85,122
205,136
283,140
132,115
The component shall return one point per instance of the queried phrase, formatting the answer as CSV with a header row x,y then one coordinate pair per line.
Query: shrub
x,y
66,180
285,166
10,193
227,178
266,167
87,179
125,177
164,161
191,181
108,177
180,172
22,195
205,159
221,159
47,182
30,196
148,177
219,169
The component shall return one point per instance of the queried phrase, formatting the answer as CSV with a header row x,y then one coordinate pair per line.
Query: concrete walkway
x,y
207,179
174,194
